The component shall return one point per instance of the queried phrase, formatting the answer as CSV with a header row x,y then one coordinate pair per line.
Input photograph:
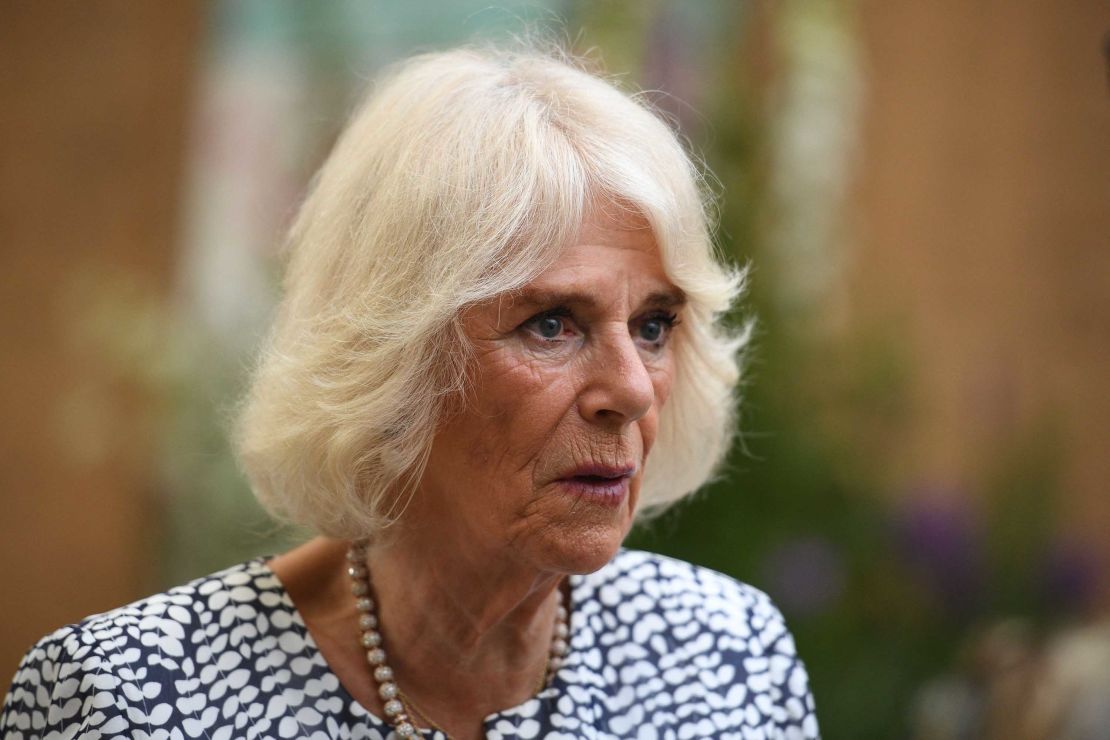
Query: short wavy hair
x,y
457,180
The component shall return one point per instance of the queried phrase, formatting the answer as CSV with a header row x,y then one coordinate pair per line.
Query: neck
x,y
466,636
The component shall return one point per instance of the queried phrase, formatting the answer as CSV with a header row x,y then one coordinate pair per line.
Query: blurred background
x,y
923,190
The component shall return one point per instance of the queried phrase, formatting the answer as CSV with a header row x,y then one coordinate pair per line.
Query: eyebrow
x,y
535,297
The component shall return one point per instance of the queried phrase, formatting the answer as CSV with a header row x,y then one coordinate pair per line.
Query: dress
x,y
659,648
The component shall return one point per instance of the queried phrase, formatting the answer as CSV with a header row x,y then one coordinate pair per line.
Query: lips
x,y
606,485
601,472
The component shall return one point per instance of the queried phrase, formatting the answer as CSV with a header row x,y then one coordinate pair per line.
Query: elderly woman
x,y
499,344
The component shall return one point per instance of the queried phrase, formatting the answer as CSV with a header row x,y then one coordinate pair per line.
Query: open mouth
x,y
597,479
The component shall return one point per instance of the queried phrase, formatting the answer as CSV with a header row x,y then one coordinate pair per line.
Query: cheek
x,y
662,379
515,408
662,375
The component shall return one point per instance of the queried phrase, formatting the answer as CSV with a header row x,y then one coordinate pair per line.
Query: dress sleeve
x,y
795,715
65,688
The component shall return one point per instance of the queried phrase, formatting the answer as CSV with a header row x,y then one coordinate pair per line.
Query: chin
x,y
581,532
583,552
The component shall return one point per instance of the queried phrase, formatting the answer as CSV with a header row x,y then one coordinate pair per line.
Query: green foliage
x,y
881,594
883,589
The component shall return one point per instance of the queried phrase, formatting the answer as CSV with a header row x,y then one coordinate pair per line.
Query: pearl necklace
x,y
398,708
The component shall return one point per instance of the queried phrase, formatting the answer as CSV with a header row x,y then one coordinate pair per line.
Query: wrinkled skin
x,y
572,371
540,407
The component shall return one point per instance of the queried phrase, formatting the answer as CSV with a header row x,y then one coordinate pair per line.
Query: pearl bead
x,y
376,657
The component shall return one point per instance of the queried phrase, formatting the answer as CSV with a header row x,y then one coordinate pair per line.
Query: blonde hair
x,y
457,180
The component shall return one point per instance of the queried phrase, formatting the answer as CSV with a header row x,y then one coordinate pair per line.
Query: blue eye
x,y
651,330
549,327
655,329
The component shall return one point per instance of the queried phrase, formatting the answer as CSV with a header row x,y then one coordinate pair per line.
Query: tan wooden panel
x,y
93,101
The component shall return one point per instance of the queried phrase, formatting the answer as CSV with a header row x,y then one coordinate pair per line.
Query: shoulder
x,y
670,632
172,625
126,668
635,582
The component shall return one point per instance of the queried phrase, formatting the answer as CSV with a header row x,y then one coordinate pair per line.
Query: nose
x,y
618,389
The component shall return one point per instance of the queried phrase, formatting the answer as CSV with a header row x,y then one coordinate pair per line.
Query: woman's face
x,y
543,462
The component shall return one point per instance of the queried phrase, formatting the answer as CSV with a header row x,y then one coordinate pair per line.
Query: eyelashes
x,y
659,325
555,325
549,325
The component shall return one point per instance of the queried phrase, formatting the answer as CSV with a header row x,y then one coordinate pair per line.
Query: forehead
x,y
609,255
614,229
617,244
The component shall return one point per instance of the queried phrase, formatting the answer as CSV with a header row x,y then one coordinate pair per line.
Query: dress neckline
x,y
262,563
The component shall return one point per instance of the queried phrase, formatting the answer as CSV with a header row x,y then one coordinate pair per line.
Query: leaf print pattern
x,y
660,650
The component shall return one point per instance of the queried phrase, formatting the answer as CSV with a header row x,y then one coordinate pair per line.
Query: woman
x,y
498,345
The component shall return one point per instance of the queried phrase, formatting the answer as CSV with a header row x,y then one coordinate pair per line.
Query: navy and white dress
x,y
659,648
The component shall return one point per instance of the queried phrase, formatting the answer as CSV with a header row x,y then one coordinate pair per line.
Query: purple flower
x,y
1069,577
805,576
938,535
